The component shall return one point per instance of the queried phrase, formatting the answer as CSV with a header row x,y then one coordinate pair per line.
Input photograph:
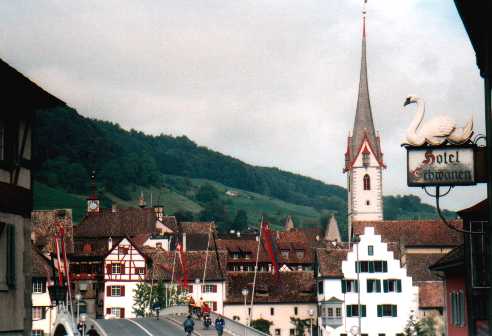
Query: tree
x,y
300,325
184,215
422,327
145,297
262,325
207,193
240,222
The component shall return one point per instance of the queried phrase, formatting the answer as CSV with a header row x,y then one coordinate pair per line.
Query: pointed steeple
x,y
364,124
332,233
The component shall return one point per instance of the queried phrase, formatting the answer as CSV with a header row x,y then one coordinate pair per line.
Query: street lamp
x,y
78,297
311,314
245,293
83,317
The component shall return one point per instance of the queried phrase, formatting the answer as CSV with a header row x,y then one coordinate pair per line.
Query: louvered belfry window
x,y
367,182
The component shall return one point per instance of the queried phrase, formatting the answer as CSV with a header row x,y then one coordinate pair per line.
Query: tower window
x,y
368,203
367,182
365,159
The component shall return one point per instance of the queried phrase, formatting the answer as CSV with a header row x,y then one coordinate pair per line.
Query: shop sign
x,y
440,166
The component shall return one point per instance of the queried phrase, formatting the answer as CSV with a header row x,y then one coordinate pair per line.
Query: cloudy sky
x,y
273,83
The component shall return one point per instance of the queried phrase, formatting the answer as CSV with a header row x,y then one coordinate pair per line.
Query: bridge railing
x,y
175,310
236,328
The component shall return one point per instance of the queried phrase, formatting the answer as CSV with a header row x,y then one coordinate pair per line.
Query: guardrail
x,y
236,328
175,310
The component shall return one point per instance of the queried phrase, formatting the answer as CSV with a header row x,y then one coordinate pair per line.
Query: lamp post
x,y
78,297
245,293
83,317
311,314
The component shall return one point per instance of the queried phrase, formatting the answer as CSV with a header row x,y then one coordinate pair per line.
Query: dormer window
x,y
365,160
284,253
300,254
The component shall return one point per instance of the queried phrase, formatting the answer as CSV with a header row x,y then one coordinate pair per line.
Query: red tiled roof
x,y
123,222
414,232
418,266
291,287
163,265
196,227
90,247
41,266
45,226
431,294
330,262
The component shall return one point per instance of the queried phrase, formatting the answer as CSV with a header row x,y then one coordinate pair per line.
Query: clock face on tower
x,y
92,205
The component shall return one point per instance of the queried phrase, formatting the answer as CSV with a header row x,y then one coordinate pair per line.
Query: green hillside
x,y
178,173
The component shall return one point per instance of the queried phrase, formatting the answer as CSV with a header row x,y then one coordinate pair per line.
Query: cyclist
x,y
188,325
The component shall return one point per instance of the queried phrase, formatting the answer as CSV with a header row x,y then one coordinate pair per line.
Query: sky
x,y
273,83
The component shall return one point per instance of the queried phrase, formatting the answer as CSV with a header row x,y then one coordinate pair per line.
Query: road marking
x,y
141,327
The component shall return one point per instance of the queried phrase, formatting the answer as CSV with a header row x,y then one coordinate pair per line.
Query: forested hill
x,y
68,146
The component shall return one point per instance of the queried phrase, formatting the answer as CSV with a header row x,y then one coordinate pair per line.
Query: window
x,y
370,250
330,312
38,286
284,253
140,270
373,286
116,268
380,334
122,250
277,332
115,291
365,158
38,313
387,310
296,310
392,286
372,266
367,182
272,311
117,312
209,288
158,245
320,287
37,332
458,308
292,332
338,312
368,202
300,254
353,310
350,286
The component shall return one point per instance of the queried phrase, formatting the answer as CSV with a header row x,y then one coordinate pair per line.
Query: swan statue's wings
x,y
440,126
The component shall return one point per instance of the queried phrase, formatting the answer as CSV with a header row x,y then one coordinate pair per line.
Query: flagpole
x,y
206,254
172,273
256,271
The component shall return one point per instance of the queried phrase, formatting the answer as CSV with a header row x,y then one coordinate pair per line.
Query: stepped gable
x,y
45,226
195,260
120,223
41,266
291,287
418,266
414,233
431,294
330,262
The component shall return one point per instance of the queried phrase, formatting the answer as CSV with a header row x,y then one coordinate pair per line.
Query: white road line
x,y
141,327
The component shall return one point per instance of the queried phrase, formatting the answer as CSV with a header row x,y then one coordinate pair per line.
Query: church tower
x,y
363,158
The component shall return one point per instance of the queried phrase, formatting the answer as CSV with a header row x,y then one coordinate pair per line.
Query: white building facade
x,y
386,294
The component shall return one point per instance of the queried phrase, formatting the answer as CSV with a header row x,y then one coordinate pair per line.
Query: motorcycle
x,y
207,321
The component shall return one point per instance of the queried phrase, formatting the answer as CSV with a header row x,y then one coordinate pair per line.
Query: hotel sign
x,y
440,166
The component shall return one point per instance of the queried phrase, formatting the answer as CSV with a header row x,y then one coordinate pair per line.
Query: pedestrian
x,y
219,325
188,325
92,332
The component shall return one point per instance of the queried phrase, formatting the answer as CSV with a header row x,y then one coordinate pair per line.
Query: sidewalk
x,y
199,330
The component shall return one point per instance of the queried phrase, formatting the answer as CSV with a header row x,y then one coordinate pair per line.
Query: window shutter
x,y
393,311
122,312
43,286
109,269
43,313
108,290
344,286
385,266
398,286
349,311
380,311
371,266
10,279
214,289
370,285
122,290
356,282
363,310
122,268
108,311
357,266
214,306
385,286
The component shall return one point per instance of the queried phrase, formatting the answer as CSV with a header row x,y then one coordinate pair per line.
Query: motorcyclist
x,y
219,325
188,325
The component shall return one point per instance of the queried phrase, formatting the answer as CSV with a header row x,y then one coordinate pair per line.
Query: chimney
x,y
110,243
141,200
114,208
184,242
159,212
238,234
